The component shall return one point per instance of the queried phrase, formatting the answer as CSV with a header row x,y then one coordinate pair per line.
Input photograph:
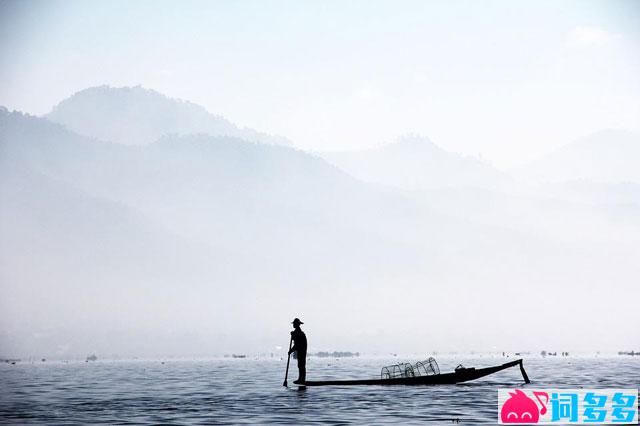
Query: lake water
x,y
232,391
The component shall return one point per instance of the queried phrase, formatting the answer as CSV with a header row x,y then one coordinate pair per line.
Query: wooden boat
x,y
459,375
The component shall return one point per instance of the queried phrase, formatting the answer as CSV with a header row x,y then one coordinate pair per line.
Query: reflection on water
x,y
250,391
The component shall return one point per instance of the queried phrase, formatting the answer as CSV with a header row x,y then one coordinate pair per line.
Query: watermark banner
x,y
568,406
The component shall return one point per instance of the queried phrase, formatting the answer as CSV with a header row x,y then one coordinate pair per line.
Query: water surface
x,y
232,391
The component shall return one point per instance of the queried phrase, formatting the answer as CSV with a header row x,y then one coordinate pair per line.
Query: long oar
x,y
524,373
286,374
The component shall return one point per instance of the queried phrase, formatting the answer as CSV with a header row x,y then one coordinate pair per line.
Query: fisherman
x,y
300,347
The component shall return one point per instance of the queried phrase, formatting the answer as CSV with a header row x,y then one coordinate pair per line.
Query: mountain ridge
x,y
139,116
609,155
415,162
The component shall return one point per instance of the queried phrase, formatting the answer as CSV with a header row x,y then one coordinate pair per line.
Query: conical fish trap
x,y
428,367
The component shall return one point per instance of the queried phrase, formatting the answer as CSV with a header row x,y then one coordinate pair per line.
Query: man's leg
x,y
302,368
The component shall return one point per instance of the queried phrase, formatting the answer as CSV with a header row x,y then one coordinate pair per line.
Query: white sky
x,y
507,80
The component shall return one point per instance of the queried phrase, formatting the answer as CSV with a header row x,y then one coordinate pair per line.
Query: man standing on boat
x,y
300,347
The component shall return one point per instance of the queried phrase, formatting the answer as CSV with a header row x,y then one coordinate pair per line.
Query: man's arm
x,y
294,347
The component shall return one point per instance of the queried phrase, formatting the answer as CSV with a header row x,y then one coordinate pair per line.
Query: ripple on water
x,y
249,391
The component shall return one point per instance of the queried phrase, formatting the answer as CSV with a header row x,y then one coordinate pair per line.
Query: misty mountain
x,y
191,237
576,213
222,225
290,212
138,116
76,267
241,194
605,156
414,162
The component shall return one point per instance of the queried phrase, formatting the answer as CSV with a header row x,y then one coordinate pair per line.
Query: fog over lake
x,y
183,179
204,242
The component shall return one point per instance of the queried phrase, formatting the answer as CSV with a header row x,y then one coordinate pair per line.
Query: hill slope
x,y
138,116
417,163
605,156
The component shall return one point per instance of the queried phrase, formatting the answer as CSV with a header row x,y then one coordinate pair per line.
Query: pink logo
x,y
519,408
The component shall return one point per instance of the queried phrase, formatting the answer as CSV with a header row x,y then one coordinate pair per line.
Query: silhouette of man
x,y
299,346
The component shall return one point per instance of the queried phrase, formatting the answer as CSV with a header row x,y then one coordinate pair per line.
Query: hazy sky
x,y
507,80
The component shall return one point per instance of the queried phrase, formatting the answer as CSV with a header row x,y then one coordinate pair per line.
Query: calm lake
x,y
232,391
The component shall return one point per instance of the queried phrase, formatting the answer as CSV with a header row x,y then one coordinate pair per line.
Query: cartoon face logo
x,y
519,408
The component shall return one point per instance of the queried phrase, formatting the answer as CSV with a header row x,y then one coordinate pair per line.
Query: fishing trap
x,y
404,369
